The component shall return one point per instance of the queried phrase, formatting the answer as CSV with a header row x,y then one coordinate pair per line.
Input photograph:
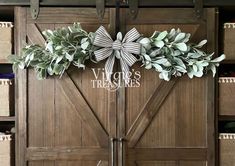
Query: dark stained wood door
x,y
62,122
168,123
66,122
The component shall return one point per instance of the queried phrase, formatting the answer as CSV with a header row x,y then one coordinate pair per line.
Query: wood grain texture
x,y
212,36
171,163
38,120
163,123
149,154
67,153
54,123
21,89
40,116
182,120
148,111
69,16
83,109
157,163
34,35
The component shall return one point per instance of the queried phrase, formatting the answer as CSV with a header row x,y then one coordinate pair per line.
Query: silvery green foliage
x,y
63,47
166,52
171,55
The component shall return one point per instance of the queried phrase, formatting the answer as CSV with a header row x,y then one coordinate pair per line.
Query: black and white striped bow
x,y
121,49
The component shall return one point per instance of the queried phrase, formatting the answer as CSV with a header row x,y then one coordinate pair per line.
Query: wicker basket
x,y
6,97
227,95
5,40
227,149
5,150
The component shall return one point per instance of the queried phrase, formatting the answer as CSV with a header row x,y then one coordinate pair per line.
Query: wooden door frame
x,y
21,92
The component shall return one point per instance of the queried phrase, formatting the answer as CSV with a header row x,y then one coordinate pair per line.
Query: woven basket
x,y
229,41
6,97
227,149
5,150
227,95
5,40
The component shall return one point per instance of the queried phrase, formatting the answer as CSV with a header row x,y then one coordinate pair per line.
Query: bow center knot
x,y
117,45
122,49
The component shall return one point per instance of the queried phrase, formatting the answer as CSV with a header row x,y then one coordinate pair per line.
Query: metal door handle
x,y
112,140
122,150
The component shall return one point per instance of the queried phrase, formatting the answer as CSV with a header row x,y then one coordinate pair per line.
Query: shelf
x,y
4,61
228,62
226,117
7,119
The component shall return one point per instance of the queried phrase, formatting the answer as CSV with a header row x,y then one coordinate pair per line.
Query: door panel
x,y
168,120
180,122
68,122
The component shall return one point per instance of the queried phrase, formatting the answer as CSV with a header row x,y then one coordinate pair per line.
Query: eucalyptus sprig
x,y
63,47
171,55
167,52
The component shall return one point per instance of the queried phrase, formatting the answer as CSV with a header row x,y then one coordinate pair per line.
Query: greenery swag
x,y
169,53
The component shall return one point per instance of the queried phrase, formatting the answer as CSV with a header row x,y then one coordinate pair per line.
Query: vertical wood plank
x,y
21,89
212,36
41,116
191,112
216,93
68,124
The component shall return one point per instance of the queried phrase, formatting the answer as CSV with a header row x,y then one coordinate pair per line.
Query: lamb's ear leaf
x,y
219,59
179,37
162,35
181,46
159,44
202,43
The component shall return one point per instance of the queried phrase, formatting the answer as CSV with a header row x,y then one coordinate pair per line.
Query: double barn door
x,y
67,122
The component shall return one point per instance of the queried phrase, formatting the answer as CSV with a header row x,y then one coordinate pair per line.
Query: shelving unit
x,y
226,118
226,95
7,123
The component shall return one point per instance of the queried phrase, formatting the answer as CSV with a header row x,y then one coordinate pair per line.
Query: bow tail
x,y
128,58
109,67
125,71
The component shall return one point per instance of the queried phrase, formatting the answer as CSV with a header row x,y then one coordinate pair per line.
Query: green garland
x,y
166,52
169,54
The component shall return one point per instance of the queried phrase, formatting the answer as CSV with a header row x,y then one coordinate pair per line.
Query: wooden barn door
x,y
66,122
168,123
62,122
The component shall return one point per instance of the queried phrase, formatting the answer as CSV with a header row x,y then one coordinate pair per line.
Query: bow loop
x,y
129,58
123,50
131,36
103,53
102,38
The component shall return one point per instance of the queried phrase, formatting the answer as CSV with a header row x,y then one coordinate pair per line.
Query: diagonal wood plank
x,y
148,112
35,35
83,109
